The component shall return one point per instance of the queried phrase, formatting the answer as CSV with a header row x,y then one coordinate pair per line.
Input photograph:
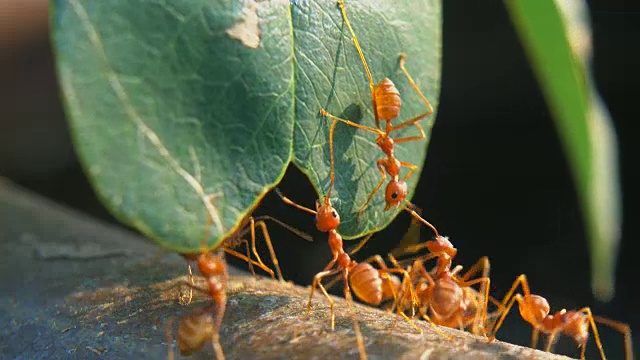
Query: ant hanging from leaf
x,y
386,102
535,310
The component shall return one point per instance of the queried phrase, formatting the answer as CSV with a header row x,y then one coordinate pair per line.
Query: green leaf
x,y
175,103
166,109
557,38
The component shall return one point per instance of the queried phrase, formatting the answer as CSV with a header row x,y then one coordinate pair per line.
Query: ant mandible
x,y
386,103
535,309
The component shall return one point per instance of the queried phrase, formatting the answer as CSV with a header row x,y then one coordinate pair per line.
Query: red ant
x,y
386,103
328,220
363,277
374,286
450,299
446,299
535,309
195,329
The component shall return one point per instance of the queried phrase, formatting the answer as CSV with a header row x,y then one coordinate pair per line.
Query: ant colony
x,y
440,294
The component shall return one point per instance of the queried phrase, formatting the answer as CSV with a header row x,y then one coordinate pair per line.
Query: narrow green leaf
x,y
557,38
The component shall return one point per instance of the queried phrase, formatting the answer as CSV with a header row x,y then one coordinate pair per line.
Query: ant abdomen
x,y
388,100
446,299
366,283
193,331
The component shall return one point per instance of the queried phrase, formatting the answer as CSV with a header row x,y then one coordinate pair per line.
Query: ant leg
x,y
507,308
323,112
412,293
247,258
622,328
435,327
486,282
332,170
520,280
596,336
217,347
248,252
406,287
250,261
288,201
260,222
409,138
381,169
550,341
186,299
361,244
356,328
398,301
317,282
267,240
295,231
483,263
331,132
429,111
534,338
412,169
364,63
422,220
411,237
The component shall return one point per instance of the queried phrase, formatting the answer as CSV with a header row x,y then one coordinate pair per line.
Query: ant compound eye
x,y
335,214
394,195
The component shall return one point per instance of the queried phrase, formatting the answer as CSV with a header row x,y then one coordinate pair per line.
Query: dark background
x,y
496,180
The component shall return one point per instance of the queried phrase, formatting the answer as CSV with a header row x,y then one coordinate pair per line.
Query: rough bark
x,y
72,286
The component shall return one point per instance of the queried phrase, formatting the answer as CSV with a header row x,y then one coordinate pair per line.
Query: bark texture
x,y
72,286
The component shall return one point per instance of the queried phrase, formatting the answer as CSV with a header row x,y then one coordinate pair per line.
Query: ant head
x,y
395,193
440,246
533,309
327,218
